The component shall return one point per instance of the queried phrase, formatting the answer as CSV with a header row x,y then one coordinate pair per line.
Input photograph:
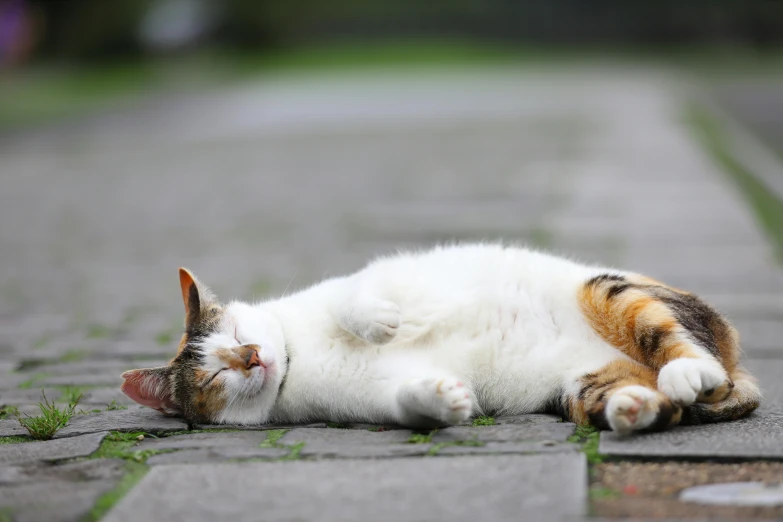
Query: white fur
x,y
683,379
368,347
631,408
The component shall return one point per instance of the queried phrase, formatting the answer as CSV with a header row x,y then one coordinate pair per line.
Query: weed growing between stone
x,y
29,383
588,437
14,439
484,421
421,438
273,441
135,471
435,449
164,338
762,201
51,420
272,436
112,406
8,411
118,445
296,449
599,493
71,394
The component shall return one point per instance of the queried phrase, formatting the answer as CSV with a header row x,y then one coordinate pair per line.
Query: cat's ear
x,y
150,387
195,296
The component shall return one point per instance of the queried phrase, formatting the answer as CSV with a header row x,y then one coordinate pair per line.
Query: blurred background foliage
x,y
61,57
90,30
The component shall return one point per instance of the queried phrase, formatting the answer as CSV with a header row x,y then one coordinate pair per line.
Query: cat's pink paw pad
x,y
632,408
455,403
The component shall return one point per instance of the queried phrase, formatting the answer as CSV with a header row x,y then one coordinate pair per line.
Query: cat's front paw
x,y
375,321
686,381
633,408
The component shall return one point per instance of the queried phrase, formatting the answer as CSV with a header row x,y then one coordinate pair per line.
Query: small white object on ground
x,y
735,494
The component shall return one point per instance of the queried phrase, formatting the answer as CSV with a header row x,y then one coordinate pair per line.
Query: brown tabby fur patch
x,y
655,324
597,387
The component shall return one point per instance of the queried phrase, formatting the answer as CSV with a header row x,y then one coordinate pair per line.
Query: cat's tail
x,y
744,398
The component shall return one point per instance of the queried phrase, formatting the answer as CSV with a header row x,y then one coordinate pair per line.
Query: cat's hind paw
x,y
632,408
445,400
686,381
456,403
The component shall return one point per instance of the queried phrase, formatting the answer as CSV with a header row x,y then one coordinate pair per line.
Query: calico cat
x,y
427,339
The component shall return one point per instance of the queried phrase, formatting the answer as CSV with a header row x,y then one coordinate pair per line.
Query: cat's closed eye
x,y
212,377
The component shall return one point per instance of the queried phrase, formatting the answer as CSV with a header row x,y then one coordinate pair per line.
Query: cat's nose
x,y
252,359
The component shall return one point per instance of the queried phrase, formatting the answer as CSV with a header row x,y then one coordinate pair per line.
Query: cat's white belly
x,y
515,358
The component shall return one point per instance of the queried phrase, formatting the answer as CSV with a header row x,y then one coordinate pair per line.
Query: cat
x,y
431,338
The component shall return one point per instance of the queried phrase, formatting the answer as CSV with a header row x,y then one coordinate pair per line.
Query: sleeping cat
x,y
431,338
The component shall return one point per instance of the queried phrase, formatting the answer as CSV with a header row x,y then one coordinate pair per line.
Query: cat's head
x,y
229,367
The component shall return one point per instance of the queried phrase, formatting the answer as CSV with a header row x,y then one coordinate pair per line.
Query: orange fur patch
x,y
635,322
597,387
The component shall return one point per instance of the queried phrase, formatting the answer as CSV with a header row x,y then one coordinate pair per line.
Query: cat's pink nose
x,y
252,359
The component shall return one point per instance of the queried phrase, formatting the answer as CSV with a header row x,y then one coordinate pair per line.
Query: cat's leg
x,y
620,396
689,344
366,316
433,402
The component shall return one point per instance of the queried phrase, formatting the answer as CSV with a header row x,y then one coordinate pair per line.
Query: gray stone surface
x,y
363,451
546,487
17,396
62,493
335,436
88,379
245,439
503,448
263,427
527,419
11,427
554,431
105,396
758,436
58,449
144,419
217,454
768,372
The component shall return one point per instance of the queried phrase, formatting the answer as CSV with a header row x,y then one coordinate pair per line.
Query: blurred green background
x,y
62,58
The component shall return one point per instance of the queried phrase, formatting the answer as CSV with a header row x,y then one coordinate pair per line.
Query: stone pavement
x,y
277,184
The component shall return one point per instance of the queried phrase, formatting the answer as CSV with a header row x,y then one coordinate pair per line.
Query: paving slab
x,y
758,436
61,493
338,436
551,431
263,427
241,439
11,427
105,396
530,418
82,379
346,450
498,488
760,334
768,372
145,419
213,455
17,396
58,449
507,448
